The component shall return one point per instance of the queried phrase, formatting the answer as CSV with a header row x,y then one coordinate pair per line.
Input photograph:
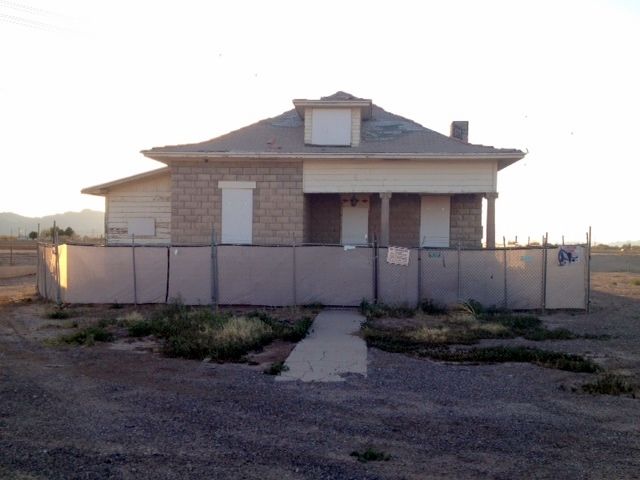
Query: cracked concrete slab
x,y
331,349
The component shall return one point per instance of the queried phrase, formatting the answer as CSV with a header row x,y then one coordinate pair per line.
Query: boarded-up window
x,y
435,213
237,212
143,227
331,126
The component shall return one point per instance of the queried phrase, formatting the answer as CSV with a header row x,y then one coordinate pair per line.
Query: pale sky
x,y
86,85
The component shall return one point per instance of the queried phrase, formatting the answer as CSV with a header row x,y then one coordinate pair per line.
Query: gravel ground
x,y
102,413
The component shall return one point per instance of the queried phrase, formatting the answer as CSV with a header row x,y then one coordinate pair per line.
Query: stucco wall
x,y
278,201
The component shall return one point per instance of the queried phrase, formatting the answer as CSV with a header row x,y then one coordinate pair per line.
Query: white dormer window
x,y
333,121
331,126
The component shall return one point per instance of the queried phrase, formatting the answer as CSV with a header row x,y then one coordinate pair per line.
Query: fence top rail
x,y
302,245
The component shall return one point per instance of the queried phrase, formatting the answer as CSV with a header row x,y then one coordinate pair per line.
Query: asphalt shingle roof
x,y
383,133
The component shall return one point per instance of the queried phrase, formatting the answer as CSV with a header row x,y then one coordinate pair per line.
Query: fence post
x,y
588,270
38,273
419,275
295,293
214,270
459,269
45,272
10,253
166,292
133,258
375,270
57,252
506,298
544,272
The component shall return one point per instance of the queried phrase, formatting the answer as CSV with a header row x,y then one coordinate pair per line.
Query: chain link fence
x,y
332,275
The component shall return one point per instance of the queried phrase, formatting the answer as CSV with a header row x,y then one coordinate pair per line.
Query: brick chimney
x,y
460,130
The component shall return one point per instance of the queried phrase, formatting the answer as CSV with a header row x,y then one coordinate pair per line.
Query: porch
x,y
399,219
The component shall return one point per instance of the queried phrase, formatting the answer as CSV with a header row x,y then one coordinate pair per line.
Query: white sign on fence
x,y
398,256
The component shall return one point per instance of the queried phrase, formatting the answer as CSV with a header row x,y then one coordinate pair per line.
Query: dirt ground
x,y
113,412
17,257
609,262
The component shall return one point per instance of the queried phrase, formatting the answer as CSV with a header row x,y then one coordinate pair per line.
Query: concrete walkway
x,y
331,349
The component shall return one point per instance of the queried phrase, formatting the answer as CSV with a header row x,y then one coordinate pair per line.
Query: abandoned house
x,y
338,170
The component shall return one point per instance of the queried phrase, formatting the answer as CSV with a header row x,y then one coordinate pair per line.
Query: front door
x,y
355,221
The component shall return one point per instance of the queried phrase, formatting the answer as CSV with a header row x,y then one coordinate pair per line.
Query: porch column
x,y
384,218
491,219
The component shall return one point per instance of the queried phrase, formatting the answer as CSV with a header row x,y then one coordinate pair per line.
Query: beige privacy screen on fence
x,y
329,275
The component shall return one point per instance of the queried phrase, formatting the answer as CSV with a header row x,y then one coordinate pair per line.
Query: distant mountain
x,y
621,243
86,222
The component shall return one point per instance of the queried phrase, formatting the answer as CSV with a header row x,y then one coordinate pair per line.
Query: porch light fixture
x,y
354,200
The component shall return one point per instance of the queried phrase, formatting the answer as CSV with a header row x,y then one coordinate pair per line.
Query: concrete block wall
x,y
196,200
374,217
466,221
324,218
404,220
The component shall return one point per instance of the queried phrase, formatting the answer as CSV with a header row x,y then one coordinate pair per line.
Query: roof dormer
x,y
334,120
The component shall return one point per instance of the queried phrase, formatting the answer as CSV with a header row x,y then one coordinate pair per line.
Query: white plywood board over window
x,y
331,126
237,215
141,227
435,214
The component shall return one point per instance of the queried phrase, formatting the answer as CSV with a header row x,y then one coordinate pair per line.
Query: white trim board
x,y
230,184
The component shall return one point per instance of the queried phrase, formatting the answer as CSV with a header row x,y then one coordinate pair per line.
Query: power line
x,y
25,22
28,9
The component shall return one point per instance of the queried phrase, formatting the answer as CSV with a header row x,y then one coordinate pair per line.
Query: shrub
x,y
473,307
611,384
276,368
527,326
200,333
88,336
543,358
371,455
432,307
381,310
58,313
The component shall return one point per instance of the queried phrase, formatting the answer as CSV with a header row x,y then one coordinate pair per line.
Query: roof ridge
x,y
341,95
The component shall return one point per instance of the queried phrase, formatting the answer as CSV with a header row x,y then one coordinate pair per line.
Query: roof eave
x,y
507,158
104,188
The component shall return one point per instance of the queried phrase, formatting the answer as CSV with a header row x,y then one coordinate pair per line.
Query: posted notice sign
x,y
398,256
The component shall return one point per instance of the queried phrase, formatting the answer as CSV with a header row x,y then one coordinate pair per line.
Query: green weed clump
x,y
200,333
371,455
381,310
526,326
611,384
293,330
88,336
432,307
58,313
276,368
543,358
